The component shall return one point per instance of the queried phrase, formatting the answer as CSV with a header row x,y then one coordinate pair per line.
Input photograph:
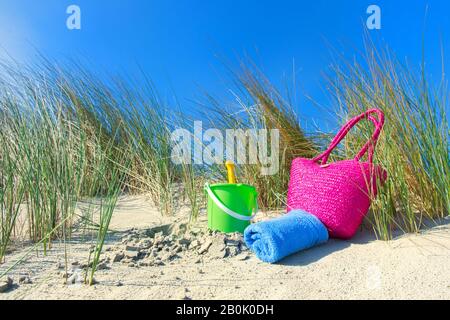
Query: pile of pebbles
x,y
141,248
144,248
152,247
8,283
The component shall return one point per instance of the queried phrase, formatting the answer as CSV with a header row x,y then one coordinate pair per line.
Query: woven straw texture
x,y
338,193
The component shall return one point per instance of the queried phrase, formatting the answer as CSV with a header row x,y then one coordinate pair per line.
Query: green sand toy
x,y
231,206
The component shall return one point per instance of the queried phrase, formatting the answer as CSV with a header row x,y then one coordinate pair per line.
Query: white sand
x,y
409,267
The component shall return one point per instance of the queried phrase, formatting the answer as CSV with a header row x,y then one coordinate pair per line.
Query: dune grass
x,y
67,136
414,147
11,196
107,205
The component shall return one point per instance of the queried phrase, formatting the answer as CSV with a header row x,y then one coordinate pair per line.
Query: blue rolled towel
x,y
274,239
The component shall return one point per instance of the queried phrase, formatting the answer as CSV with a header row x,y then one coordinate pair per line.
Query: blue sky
x,y
176,42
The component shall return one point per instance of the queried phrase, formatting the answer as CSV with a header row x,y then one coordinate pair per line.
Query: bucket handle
x,y
228,210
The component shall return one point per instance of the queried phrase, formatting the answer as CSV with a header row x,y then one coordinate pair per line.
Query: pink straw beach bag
x,y
338,193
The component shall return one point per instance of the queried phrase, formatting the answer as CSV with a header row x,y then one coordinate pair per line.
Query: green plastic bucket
x,y
231,207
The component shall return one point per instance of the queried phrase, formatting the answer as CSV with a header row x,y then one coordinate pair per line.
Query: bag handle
x,y
341,134
369,146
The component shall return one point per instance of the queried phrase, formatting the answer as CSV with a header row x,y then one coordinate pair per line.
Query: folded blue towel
x,y
274,239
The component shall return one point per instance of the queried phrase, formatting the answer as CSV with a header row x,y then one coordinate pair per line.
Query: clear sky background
x,y
176,41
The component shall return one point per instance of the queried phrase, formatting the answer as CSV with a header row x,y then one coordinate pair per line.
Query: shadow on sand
x,y
306,257
363,236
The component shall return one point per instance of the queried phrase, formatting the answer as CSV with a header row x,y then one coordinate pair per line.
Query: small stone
x,y
72,279
205,246
143,233
75,263
173,257
176,249
232,243
183,294
184,242
102,266
25,280
225,253
244,247
161,256
5,285
168,256
234,236
217,249
154,253
244,257
144,263
146,244
233,251
195,231
126,260
85,265
132,248
179,229
159,263
158,237
194,244
132,255
118,284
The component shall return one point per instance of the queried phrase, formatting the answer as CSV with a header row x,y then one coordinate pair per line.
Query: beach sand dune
x,y
414,266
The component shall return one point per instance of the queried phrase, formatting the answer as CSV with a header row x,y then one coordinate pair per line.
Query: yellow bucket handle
x,y
230,171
